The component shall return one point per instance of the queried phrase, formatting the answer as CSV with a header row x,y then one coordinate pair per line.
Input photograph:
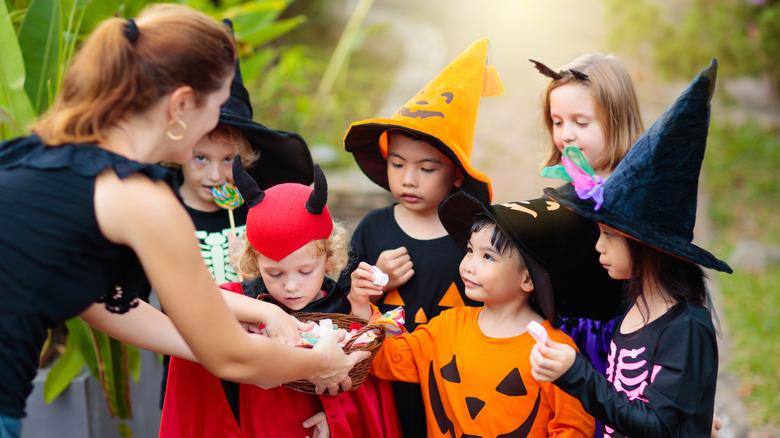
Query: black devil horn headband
x,y
246,185
319,196
550,73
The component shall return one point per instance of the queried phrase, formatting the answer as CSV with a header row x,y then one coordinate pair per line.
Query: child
x,y
293,245
421,154
469,360
272,156
590,103
663,359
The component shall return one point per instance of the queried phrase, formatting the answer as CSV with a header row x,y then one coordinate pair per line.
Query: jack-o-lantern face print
x,y
481,400
424,108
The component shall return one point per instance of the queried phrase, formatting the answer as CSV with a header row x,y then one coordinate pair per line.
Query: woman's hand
x,y
362,289
334,372
282,327
320,423
551,360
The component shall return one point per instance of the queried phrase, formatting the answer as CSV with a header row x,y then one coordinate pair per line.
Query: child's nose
x,y
568,133
409,177
214,172
290,285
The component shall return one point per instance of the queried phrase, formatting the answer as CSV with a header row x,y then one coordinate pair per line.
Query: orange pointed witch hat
x,y
444,114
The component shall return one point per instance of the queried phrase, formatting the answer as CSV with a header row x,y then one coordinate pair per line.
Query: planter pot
x,y
81,410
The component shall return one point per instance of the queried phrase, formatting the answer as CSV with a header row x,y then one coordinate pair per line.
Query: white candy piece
x,y
538,332
380,278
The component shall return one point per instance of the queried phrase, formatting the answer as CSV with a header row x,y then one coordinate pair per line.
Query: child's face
x,y
296,280
615,256
419,176
573,114
489,276
210,165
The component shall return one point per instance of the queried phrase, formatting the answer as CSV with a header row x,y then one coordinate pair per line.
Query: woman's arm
x,y
144,326
147,217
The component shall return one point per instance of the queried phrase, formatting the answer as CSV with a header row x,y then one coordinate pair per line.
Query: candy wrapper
x,y
392,322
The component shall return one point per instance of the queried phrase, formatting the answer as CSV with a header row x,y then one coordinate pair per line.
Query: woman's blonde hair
x,y
615,101
335,249
118,72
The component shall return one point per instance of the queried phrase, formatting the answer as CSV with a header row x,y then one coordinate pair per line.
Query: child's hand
x,y
551,360
397,264
284,328
362,289
320,423
334,372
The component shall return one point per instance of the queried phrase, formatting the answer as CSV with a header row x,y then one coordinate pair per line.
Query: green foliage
x,y
751,305
741,168
681,36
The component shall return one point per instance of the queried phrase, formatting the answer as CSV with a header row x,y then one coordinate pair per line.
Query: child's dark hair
x,y
677,279
499,239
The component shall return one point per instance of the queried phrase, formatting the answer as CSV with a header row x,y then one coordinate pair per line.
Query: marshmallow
x,y
538,332
380,278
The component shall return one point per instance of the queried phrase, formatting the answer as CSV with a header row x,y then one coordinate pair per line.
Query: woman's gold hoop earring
x,y
183,130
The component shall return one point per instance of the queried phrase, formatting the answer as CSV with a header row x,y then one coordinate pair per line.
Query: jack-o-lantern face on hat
x,y
482,399
418,109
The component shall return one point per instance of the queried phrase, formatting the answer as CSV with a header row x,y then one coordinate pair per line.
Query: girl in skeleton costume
x,y
663,360
88,215
293,243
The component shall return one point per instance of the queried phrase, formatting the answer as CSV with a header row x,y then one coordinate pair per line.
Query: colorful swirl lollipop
x,y
227,196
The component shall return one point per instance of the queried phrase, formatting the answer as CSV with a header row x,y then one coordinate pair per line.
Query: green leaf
x,y
255,35
79,333
97,11
14,100
63,371
113,374
39,38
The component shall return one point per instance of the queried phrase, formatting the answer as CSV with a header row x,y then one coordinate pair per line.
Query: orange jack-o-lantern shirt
x,y
478,386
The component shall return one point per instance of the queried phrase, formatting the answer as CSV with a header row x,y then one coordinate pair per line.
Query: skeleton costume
x,y
660,378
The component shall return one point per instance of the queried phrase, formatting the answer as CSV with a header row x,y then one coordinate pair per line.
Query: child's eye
x,y
395,165
228,160
469,250
305,272
428,170
199,159
558,124
275,274
487,256
583,124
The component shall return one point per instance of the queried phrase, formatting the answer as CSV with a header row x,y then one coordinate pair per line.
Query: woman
x,y
86,213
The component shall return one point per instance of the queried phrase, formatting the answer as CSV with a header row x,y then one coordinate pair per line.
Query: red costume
x,y
196,404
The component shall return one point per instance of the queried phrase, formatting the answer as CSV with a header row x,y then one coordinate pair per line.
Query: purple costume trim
x,y
592,338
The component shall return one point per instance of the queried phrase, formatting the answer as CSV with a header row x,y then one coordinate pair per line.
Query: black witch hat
x,y
549,237
284,156
651,195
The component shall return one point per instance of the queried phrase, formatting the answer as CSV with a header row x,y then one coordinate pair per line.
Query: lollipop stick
x,y
232,222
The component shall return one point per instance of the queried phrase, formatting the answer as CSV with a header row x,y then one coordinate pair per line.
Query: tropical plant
x,y
39,38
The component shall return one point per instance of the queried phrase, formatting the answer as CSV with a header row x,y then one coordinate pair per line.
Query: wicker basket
x,y
360,370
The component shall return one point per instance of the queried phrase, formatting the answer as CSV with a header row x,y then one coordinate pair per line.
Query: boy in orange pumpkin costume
x,y
421,155
470,361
